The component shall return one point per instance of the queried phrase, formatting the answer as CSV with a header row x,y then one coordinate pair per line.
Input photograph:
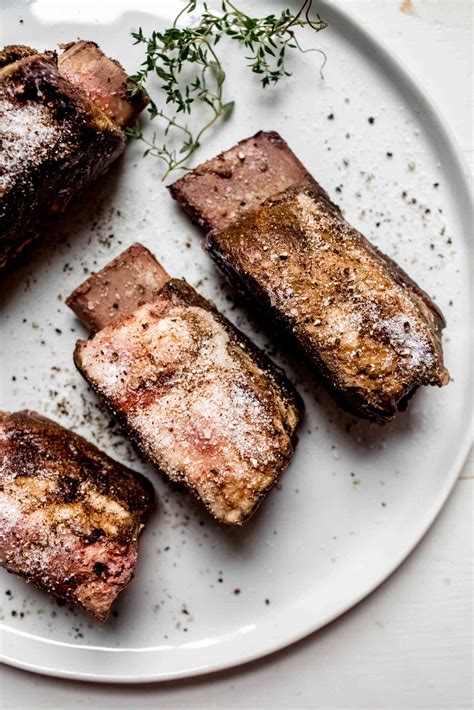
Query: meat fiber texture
x,y
202,402
70,516
371,333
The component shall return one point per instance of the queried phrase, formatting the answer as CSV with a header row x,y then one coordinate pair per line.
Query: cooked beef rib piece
x,y
61,126
104,81
198,398
373,335
70,516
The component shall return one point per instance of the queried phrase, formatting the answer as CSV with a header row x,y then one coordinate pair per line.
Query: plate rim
x,y
398,68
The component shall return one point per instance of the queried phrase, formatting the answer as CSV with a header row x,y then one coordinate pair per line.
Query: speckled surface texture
x,y
352,484
70,515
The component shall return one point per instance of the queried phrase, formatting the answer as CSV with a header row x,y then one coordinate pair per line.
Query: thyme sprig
x,y
171,54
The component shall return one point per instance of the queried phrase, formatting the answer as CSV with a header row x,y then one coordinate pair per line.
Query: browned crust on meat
x,y
60,128
71,516
13,52
342,300
221,190
135,277
104,80
54,140
237,232
145,379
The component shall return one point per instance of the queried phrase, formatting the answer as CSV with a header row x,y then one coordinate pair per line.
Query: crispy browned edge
x,y
25,416
13,52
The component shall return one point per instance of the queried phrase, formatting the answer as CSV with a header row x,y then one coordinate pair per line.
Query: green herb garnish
x,y
188,65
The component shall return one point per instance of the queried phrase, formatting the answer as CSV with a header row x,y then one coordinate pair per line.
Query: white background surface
x,y
409,644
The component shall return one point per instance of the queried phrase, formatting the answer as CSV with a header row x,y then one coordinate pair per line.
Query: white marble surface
x,y
409,645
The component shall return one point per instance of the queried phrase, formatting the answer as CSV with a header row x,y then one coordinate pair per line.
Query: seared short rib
x,y
373,335
62,124
199,399
70,516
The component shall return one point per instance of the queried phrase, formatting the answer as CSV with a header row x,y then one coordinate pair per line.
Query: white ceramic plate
x,y
357,497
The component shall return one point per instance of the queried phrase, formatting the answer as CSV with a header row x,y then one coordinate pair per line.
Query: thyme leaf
x,y
187,64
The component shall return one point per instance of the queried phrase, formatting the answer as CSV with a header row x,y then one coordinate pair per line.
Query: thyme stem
x,y
266,39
